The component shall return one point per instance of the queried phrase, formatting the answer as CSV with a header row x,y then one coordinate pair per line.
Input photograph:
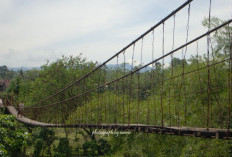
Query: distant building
x,y
4,84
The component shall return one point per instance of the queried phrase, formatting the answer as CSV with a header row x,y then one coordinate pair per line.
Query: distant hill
x,y
110,66
127,67
115,66
23,68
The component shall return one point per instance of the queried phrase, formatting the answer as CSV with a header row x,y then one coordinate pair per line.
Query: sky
x,y
35,31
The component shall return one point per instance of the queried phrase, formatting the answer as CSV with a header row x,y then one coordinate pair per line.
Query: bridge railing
x,y
118,60
172,89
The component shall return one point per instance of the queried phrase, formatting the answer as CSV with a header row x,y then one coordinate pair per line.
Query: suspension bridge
x,y
150,97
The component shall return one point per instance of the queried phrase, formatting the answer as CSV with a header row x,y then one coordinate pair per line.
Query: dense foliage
x,y
138,144
12,139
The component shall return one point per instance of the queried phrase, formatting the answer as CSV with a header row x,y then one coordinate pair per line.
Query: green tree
x,y
221,39
14,86
3,71
96,148
12,139
63,149
43,138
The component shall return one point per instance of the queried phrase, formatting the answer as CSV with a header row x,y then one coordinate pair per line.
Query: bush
x,y
96,148
12,140
63,149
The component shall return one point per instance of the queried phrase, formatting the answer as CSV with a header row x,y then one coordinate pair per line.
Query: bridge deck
x,y
185,131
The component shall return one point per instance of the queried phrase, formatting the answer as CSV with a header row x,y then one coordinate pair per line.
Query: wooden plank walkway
x,y
184,131
28,121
